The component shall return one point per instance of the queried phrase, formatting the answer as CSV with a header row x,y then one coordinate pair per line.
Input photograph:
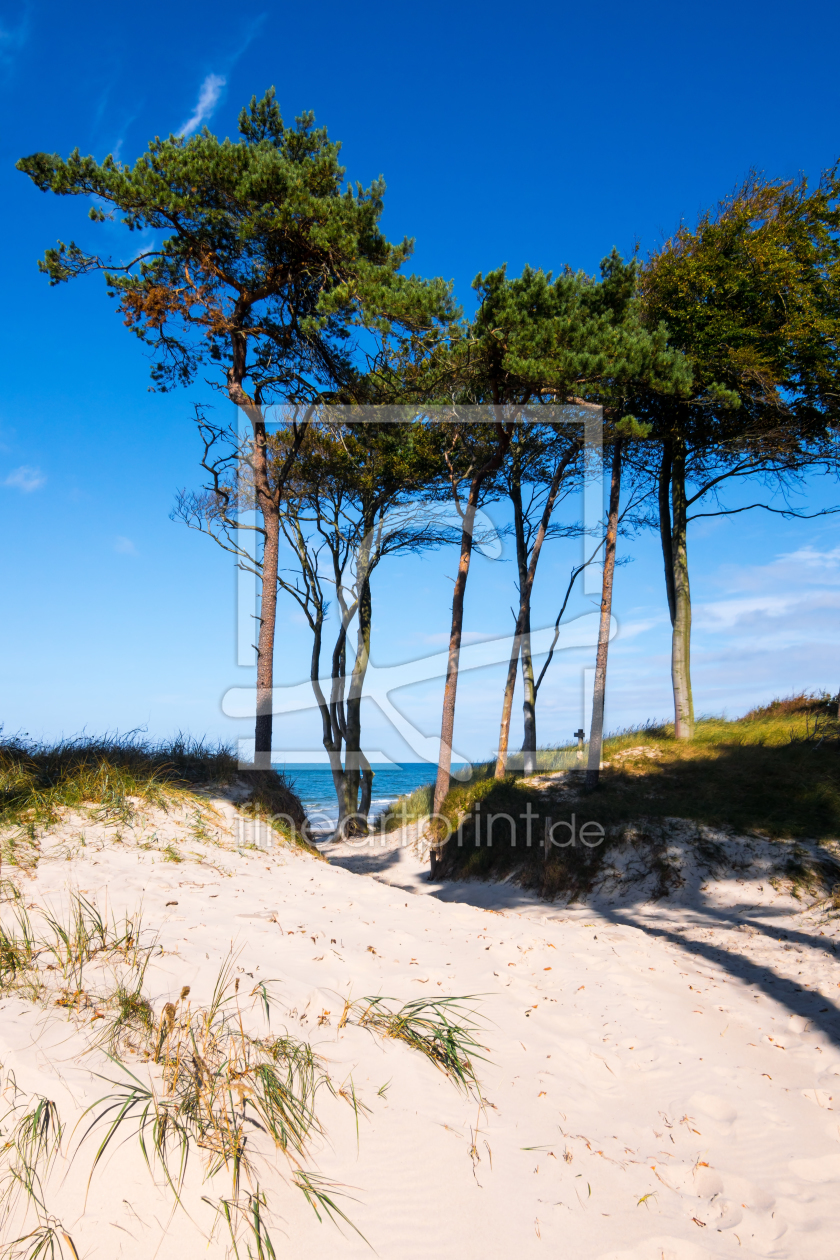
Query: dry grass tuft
x,y
218,1090
74,939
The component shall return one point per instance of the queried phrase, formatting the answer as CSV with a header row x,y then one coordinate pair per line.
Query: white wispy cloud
x,y
124,546
208,99
814,558
631,629
25,478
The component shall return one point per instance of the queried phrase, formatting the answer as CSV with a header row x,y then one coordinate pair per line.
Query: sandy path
x,y
661,1081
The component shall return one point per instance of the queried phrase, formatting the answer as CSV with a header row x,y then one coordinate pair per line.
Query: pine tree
x,y
264,263
751,297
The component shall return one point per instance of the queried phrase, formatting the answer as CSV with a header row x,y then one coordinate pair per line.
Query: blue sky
x,y
540,133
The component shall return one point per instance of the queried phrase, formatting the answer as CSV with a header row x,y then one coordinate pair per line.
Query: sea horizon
x,y
312,780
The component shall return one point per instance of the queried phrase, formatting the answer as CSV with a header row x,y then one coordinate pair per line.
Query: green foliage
x,y
541,338
751,296
262,252
631,427
406,809
366,466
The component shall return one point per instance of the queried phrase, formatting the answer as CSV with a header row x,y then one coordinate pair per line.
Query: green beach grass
x,y
112,777
773,774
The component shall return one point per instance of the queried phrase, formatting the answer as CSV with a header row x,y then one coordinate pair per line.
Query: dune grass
x,y
27,1158
184,1080
210,1086
443,1029
215,1090
46,954
406,809
774,773
110,778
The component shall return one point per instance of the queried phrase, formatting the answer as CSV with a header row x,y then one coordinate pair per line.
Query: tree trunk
x,y
665,526
331,745
367,785
526,585
447,724
529,742
596,736
507,704
353,756
529,701
268,505
335,725
268,595
522,574
681,633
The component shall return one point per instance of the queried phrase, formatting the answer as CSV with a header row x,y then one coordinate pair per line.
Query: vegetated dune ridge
x,y
660,1079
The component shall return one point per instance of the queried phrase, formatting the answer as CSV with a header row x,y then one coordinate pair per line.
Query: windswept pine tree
x,y
264,263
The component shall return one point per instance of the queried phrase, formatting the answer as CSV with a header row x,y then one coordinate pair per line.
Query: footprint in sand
x,y
715,1114
715,1107
729,1213
823,1168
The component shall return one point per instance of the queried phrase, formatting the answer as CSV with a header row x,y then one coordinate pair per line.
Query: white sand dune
x,y
661,1079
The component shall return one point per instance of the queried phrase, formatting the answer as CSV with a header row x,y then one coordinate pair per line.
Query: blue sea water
x,y
314,785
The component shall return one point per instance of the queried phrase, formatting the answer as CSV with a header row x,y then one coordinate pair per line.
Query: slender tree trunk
x,y
447,724
367,785
529,701
337,726
357,824
665,526
333,748
681,633
522,574
268,596
333,734
525,588
596,736
268,504
529,742
507,704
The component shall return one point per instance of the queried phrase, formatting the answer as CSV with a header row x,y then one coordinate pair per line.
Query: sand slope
x,y
662,1080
